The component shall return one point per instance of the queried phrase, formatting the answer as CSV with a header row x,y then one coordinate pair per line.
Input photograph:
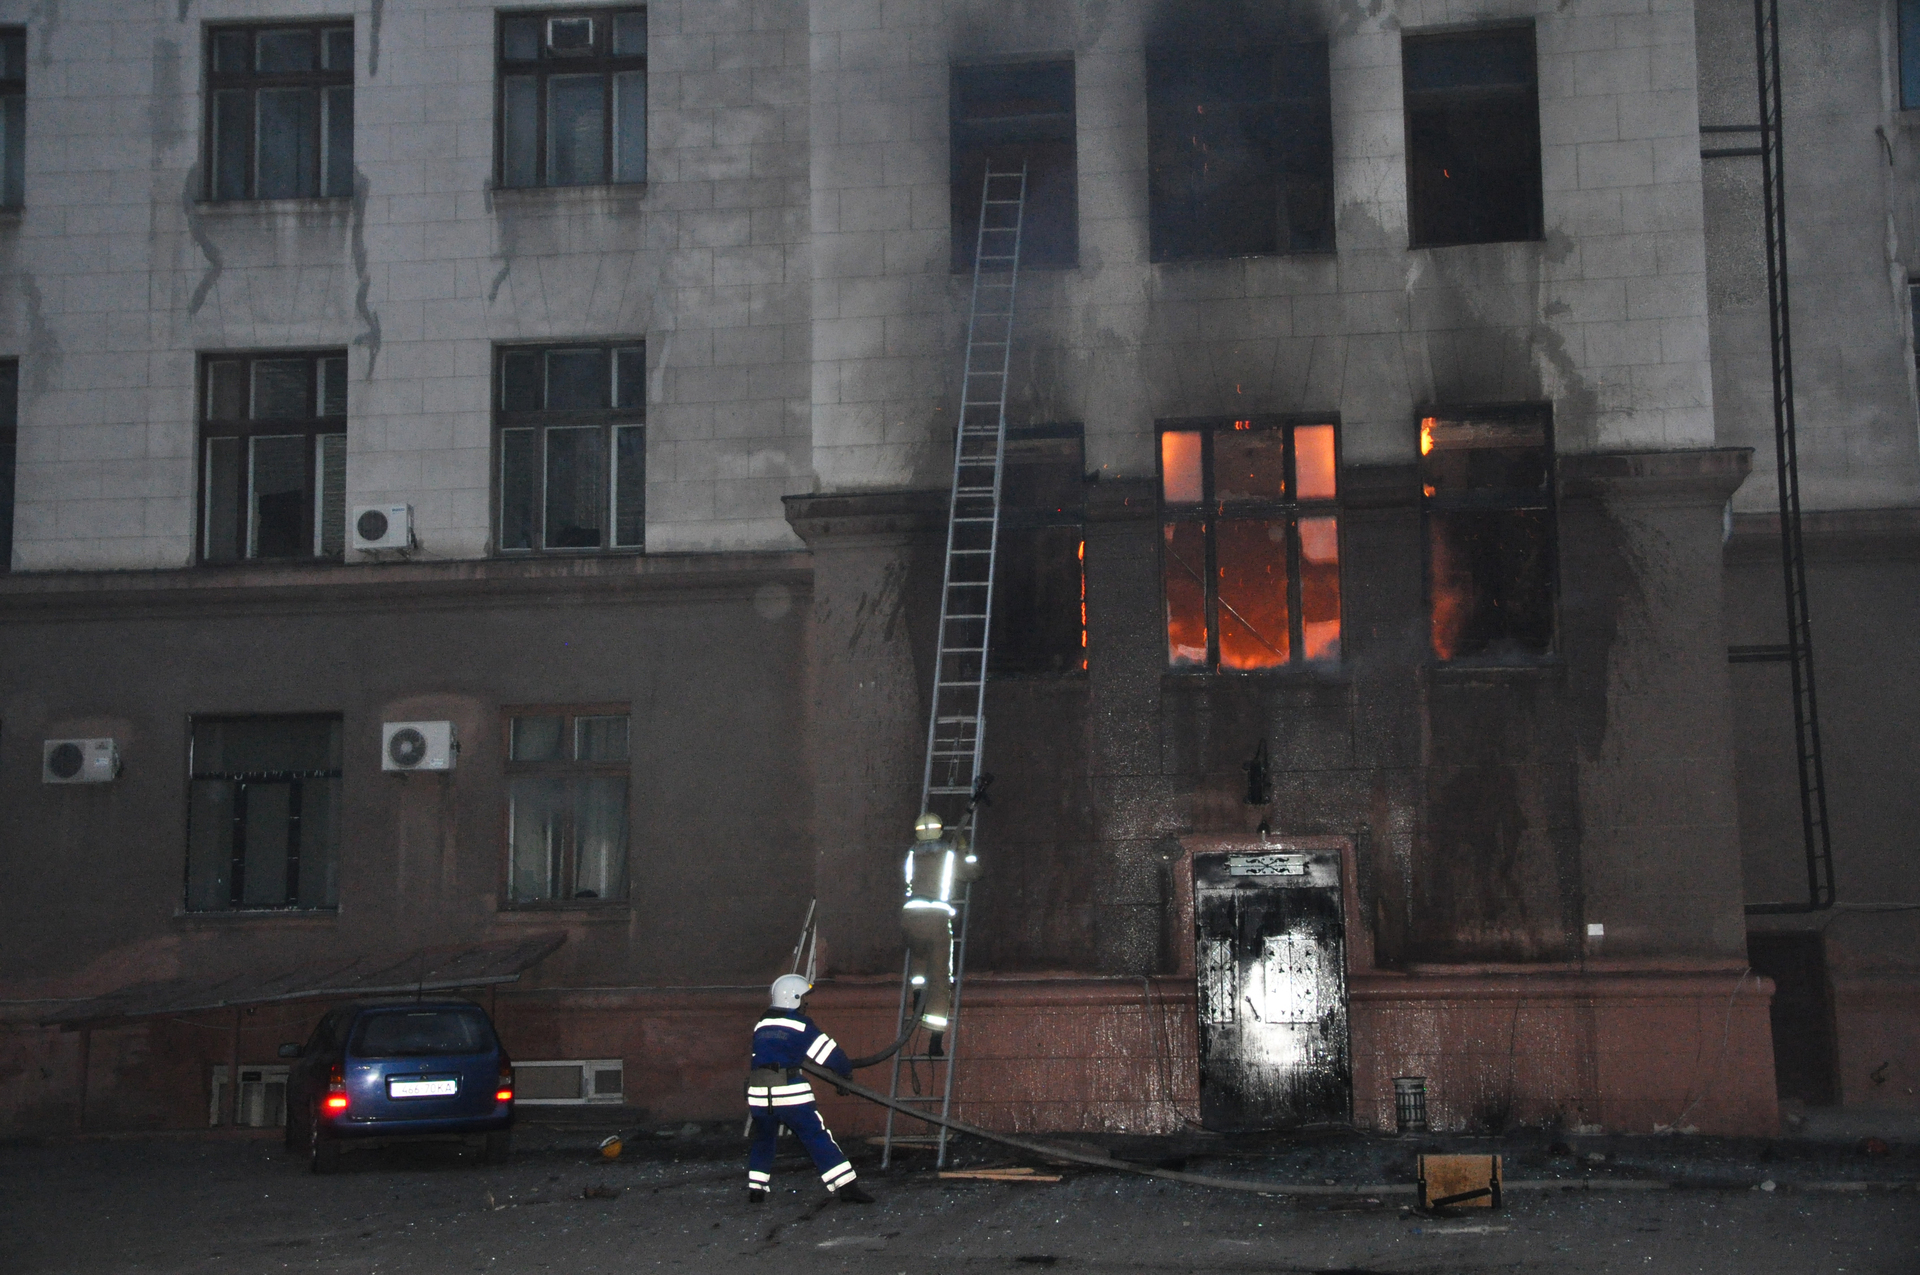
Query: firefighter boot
x,y
852,1194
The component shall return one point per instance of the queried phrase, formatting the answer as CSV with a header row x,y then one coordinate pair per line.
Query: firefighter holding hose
x,y
937,866
778,1093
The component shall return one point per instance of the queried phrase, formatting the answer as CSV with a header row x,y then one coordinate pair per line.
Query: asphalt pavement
x,y
675,1200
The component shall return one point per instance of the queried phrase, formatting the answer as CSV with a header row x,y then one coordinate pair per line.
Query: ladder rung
x,y
980,615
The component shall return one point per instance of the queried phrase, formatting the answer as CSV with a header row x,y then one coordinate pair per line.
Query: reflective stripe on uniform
x,y
822,1045
917,905
788,1023
838,1176
756,1177
794,1100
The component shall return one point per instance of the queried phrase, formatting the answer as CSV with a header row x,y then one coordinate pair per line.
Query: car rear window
x,y
415,1032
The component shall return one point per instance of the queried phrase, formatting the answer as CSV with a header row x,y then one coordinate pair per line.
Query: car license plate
x,y
423,1088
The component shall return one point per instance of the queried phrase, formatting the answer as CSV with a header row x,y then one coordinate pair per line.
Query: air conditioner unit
x,y
383,526
418,746
79,761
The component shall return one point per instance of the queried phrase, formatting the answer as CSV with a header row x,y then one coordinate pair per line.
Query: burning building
x,y
475,482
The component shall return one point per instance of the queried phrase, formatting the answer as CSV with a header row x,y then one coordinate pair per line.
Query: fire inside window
x,y
1040,585
1250,543
1473,138
1014,113
1487,497
1240,151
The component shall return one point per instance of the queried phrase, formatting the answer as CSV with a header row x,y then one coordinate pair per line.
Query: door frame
x,y
1359,937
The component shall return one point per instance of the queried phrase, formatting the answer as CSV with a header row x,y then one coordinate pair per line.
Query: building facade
x,y
1389,472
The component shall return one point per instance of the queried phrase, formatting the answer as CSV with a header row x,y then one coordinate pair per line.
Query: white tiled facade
x,y
786,261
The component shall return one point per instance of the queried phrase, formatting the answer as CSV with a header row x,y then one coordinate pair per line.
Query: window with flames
x,y
1250,543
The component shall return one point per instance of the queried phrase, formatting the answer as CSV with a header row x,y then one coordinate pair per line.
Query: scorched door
x,y
1270,954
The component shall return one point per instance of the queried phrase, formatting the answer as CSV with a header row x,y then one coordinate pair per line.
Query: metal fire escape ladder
x,y
956,719
1797,651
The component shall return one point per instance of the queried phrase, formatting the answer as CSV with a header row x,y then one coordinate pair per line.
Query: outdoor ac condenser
x,y
79,761
418,746
382,526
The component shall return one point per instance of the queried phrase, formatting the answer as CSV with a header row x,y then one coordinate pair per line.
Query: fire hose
x,y
1076,1156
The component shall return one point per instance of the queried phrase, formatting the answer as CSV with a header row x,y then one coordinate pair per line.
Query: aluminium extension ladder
x,y
952,782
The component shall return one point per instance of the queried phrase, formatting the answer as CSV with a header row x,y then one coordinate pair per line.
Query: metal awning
x,y
431,969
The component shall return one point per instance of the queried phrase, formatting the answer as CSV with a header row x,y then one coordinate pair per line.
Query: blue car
x,y
378,1072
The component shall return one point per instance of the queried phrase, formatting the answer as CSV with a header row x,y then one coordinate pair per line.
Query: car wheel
x,y
323,1149
499,1147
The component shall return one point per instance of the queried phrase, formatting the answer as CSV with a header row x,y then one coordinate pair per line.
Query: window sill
x,y
1302,675
584,909
1308,254
260,916
1551,666
537,555
1474,243
609,197
330,208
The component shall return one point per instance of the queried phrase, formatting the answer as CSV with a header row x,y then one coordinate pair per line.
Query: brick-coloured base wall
x,y
1877,1022
1621,1049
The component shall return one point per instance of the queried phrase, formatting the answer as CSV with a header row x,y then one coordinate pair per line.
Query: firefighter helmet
x,y
928,827
788,989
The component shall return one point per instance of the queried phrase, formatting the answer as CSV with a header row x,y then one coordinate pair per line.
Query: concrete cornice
x,y
866,515
293,589
1707,475
1831,535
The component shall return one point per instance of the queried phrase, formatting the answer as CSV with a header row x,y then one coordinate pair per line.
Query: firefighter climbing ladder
x,y
956,720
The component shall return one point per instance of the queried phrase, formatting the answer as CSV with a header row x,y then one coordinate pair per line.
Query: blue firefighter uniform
x,y
778,1093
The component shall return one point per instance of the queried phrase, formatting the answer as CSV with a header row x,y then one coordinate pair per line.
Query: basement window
x,y
1240,152
280,111
1007,114
567,773
573,98
263,822
1487,498
572,439
1040,581
9,449
1250,543
273,465
1473,138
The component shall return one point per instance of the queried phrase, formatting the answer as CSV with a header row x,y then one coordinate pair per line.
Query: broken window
x,y
9,449
1039,581
573,447
263,823
13,116
1487,491
567,771
1008,114
573,98
280,111
1250,543
273,447
1240,152
1473,137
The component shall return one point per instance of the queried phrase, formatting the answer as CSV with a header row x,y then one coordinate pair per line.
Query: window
x,y
1009,114
573,447
1913,304
1039,582
1487,492
1240,152
273,456
13,116
567,804
1473,138
9,448
1250,543
1909,55
280,111
263,822
573,97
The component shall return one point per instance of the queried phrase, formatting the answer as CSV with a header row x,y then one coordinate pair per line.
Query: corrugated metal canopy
x,y
424,970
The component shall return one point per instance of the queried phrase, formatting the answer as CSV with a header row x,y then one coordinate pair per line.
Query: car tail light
x,y
505,1091
336,1100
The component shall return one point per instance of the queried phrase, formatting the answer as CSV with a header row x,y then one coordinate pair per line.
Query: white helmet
x,y
788,989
